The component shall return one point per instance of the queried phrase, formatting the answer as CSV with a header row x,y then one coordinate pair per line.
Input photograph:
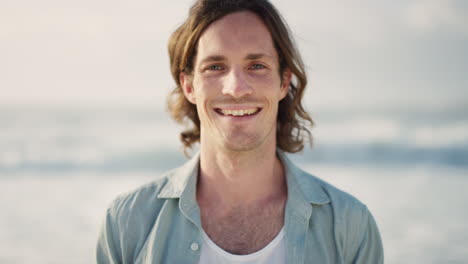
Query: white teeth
x,y
239,112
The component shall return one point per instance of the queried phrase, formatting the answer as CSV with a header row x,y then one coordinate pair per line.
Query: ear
x,y
286,80
186,85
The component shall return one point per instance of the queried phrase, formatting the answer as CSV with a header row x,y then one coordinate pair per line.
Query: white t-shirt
x,y
273,253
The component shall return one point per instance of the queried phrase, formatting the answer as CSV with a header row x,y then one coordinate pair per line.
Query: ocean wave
x,y
164,159
112,140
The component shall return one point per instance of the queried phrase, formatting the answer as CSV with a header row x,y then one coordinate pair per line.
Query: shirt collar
x,y
179,178
300,184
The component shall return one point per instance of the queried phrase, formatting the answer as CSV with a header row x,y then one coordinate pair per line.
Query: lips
x,y
238,112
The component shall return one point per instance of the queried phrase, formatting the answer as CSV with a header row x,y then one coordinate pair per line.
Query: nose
x,y
236,84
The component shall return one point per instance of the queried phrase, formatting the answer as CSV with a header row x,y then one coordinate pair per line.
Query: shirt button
x,y
194,246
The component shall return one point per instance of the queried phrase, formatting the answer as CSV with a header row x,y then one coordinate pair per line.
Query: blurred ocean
x,y
61,167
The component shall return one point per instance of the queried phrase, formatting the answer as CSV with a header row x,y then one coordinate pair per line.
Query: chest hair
x,y
244,230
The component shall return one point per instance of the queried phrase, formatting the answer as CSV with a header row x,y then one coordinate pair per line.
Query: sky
x,y
367,53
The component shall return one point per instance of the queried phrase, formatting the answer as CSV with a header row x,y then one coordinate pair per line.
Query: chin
x,y
239,148
242,144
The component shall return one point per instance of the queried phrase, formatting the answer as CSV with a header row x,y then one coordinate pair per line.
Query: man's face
x,y
236,84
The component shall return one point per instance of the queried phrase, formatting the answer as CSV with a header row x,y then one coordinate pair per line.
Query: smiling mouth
x,y
238,113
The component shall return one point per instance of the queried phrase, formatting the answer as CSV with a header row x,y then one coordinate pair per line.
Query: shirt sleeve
x,y
107,250
370,249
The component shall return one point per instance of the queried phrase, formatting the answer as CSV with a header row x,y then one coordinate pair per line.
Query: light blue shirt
x,y
160,222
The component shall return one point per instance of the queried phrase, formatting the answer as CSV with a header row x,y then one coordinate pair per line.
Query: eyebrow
x,y
213,58
252,56
256,56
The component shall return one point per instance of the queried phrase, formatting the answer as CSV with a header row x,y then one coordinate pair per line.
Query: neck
x,y
241,177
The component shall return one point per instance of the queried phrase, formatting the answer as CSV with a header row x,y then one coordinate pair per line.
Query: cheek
x,y
270,86
206,87
203,104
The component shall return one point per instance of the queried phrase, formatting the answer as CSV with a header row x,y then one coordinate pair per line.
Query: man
x,y
240,81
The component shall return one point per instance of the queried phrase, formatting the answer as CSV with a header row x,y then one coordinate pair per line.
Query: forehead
x,y
238,33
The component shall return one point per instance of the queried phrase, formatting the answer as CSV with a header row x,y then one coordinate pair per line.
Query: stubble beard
x,y
242,141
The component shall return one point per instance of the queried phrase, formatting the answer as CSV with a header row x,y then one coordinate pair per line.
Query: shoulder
x,y
129,220
144,203
317,191
336,196
144,196
346,208
133,213
352,221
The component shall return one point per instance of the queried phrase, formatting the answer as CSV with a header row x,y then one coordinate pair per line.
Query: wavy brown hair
x,y
293,121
